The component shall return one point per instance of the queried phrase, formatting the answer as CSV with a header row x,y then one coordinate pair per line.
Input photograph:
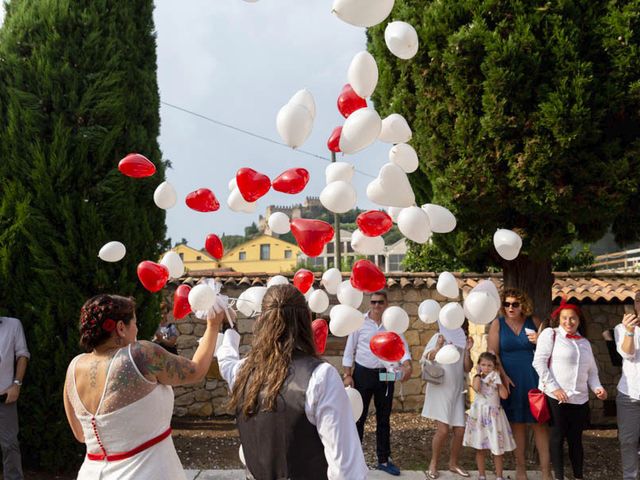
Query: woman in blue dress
x,y
513,337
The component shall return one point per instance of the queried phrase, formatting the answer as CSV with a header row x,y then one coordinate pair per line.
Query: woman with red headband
x,y
567,369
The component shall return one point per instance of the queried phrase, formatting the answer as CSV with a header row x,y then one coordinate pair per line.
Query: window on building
x,y
395,262
242,256
287,254
316,262
349,248
265,251
181,256
331,246
331,262
198,257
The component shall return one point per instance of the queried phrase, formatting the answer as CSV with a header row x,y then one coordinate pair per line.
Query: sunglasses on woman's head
x,y
511,304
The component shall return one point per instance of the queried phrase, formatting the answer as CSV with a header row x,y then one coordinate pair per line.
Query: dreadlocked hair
x,y
283,328
99,317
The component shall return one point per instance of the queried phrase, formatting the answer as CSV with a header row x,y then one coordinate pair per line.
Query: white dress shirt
x,y
629,383
358,349
573,367
12,346
326,406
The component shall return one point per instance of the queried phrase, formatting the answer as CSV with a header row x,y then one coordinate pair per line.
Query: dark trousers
x,y
367,382
567,421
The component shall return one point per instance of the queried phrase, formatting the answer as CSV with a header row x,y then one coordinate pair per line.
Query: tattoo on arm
x,y
93,373
153,360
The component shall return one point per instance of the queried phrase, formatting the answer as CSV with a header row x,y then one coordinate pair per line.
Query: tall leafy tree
x,y
526,115
78,91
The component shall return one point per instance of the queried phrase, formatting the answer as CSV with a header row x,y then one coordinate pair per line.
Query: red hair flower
x,y
108,325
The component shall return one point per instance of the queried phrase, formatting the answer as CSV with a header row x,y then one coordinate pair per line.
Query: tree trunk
x,y
535,278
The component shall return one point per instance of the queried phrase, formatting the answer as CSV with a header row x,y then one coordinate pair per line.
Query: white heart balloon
x,y
448,355
362,13
366,245
165,196
339,171
277,280
347,295
355,400
174,264
447,285
201,297
250,301
480,308
345,320
508,243
395,129
489,287
391,188
112,252
318,301
451,316
338,197
413,223
401,39
294,124
279,223
305,98
428,311
394,212
363,74
360,130
232,185
441,219
395,319
404,156
237,203
331,280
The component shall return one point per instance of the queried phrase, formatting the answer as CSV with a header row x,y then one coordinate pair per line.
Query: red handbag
x,y
538,400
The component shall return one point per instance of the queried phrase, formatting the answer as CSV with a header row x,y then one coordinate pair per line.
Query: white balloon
x,y
347,295
308,293
360,130
451,315
201,297
480,308
366,245
294,123
338,197
447,285
165,196
357,405
112,252
395,319
395,129
240,451
318,301
250,301
441,219
413,223
305,98
428,311
339,171
394,212
404,156
331,279
344,320
508,243
279,223
173,262
401,39
363,74
362,13
237,203
447,355
277,280
391,188
232,184
489,287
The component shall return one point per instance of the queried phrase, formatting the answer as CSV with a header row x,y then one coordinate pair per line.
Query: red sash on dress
x,y
122,455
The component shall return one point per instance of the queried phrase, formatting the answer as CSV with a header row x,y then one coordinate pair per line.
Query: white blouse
x,y
629,383
573,367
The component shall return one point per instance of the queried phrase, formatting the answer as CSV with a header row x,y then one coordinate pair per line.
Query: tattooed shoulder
x,y
153,360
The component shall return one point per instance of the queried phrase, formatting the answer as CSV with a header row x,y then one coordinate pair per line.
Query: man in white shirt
x,y
370,376
13,364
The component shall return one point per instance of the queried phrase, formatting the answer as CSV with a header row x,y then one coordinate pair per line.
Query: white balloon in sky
x,y
279,223
347,295
237,203
360,130
339,171
413,223
404,156
318,301
391,188
447,285
112,252
428,311
345,319
395,319
305,98
440,218
294,124
363,74
277,280
508,243
451,315
174,264
447,355
232,184
362,13
338,197
331,280
401,39
395,129
165,196
365,245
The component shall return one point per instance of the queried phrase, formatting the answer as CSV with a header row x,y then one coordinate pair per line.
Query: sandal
x,y
432,475
459,471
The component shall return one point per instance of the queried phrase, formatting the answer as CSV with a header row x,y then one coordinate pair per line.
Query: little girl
x,y
487,427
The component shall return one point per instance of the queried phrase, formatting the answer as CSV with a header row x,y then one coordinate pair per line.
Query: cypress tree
x,y
78,91
526,115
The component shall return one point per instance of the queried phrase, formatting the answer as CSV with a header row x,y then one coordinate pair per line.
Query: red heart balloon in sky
x,y
374,223
181,307
311,235
367,277
303,279
334,140
136,166
320,333
202,200
291,181
152,275
214,246
387,346
349,101
252,184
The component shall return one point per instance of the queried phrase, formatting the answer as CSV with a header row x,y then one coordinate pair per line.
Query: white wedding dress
x,y
131,412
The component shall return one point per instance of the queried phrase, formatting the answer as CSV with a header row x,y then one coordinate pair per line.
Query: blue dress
x,y
516,353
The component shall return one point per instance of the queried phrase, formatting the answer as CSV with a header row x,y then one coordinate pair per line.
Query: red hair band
x,y
565,306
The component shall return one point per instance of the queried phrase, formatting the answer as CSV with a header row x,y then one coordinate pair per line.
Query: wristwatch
x,y
17,382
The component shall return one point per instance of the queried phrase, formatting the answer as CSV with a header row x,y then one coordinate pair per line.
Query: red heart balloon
x,y
349,101
291,181
181,307
367,277
152,275
252,184
374,223
320,333
334,140
136,166
214,246
202,200
303,279
311,235
387,346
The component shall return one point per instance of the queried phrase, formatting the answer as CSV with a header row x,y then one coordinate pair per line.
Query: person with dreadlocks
x,y
293,414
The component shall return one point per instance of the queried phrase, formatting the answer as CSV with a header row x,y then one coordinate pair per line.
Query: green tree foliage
x,y
231,241
78,91
526,115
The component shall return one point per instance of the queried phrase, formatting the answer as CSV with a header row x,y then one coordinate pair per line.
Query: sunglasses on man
x,y
377,302
511,304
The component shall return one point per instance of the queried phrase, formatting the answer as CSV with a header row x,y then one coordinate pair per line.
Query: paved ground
x,y
374,475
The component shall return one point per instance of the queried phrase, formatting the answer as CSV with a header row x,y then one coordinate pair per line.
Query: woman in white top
x,y
567,369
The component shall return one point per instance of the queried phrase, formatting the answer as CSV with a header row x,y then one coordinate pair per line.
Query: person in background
x,y
167,334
